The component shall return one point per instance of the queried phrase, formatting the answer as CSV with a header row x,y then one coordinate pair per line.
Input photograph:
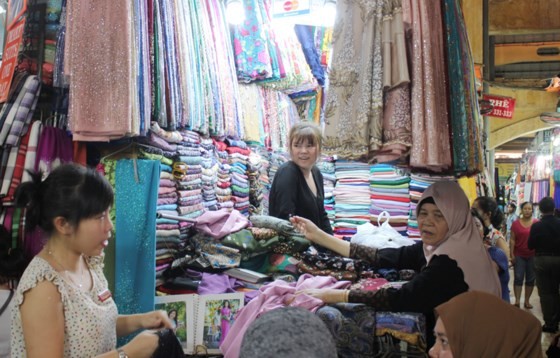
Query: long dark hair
x,y
489,205
71,191
12,260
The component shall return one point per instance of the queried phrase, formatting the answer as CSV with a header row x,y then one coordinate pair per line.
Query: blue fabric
x,y
499,257
135,235
305,36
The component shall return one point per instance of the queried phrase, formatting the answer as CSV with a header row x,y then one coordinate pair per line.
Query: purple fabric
x,y
272,296
215,284
55,148
221,223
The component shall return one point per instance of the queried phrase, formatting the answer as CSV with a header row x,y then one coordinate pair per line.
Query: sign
x,y
10,57
16,9
503,106
287,8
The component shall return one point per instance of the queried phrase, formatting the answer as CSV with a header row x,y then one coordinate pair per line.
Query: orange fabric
x,y
80,153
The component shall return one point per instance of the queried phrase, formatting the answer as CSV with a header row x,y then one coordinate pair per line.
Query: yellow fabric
x,y
468,184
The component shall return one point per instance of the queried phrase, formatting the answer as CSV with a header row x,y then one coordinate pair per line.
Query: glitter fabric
x,y
354,107
135,203
99,61
430,123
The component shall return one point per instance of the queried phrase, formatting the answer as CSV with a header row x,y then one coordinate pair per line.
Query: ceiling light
x,y
329,13
235,13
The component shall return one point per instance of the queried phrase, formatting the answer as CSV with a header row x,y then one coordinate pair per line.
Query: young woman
x,y
63,306
225,313
493,219
476,324
297,187
522,258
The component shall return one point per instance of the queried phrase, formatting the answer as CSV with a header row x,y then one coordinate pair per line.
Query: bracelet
x,y
346,294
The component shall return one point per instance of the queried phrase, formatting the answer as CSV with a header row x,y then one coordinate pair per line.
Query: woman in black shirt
x,y
297,188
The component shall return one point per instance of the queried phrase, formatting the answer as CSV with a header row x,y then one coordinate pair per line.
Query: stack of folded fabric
x,y
254,169
419,183
276,160
352,196
390,193
327,168
223,184
263,179
210,168
188,172
238,160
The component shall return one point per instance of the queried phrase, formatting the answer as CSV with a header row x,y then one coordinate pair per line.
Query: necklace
x,y
66,272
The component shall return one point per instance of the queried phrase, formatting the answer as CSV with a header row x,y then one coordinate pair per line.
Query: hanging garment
x,y
354,103
430,128
54,149
135,201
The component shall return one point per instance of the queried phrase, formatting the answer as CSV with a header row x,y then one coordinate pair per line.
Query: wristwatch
x,y
121,353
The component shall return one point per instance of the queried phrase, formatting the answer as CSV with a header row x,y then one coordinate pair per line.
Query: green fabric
x,y
244,241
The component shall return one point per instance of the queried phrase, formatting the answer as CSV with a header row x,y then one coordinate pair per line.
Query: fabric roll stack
x,y
223,184
189,176
327,168
390,193
254,170
263,179
210,168
238,160
352,197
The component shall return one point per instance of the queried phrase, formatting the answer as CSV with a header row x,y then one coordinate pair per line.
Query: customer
x,y
493,219
62,305
297,188
511,217
451,258
544,238
523,258
12,264
498,256
476,324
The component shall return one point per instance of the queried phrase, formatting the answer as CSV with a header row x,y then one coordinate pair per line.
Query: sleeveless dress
x,y
89,323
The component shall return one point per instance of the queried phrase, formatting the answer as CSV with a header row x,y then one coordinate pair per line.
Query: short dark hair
x,y
546,205
513,206
489,205
71,191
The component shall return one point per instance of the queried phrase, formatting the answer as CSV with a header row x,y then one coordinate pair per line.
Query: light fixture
x,y
329,13
235,13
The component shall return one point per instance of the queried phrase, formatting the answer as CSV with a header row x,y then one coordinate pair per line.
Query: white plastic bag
x,y
380,237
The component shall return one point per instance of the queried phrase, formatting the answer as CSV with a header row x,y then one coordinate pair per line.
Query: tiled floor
x,y
536,311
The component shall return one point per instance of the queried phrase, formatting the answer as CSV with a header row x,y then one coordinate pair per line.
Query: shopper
x,y
498,256
493,219
523,258
62,305
544,238
511,217
476,324
297,188
12,264
451,257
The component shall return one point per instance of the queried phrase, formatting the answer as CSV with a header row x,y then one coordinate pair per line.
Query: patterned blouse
x,y
90,324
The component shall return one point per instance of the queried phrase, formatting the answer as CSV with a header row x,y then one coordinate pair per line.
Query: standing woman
x,y
297,188
493,219
522,258
225,313
62,307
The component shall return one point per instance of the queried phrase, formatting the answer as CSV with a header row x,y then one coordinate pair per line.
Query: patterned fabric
x,y
89,324
24,108
408,327
353,327
214,253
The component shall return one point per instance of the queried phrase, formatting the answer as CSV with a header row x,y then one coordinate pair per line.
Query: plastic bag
x,y
380,237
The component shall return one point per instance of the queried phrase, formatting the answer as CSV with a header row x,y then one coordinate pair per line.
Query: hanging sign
x,y
16,9
286,8
503,106
10,57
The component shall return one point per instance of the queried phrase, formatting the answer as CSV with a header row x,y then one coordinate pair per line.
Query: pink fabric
x,y
272,296
221,223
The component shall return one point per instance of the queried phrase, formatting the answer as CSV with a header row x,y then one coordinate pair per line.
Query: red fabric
x,y
18,170
221,146
390,198
238,150
521,239
80,153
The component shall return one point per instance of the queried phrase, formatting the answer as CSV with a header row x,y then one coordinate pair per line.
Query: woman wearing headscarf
x,y
451,258
477,324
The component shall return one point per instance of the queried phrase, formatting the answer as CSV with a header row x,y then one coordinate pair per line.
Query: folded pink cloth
x,y
221,222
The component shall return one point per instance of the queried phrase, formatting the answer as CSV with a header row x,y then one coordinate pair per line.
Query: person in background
x,y
499,258
451,258
493,219
226,315
523,258
297,187
62,305
544,238
173,318
511,217
12,265
476,324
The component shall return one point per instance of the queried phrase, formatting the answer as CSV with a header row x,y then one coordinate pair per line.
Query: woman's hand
x,y
326,295
307,228
143,345
155,320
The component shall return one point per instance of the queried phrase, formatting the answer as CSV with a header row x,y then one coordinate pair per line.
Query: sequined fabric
x,y
354,103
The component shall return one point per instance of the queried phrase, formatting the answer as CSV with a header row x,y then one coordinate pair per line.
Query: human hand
x,y
326,295
307,228
512,261
155,320
143,345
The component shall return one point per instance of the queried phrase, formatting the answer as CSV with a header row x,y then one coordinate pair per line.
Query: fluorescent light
x,y
235,13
